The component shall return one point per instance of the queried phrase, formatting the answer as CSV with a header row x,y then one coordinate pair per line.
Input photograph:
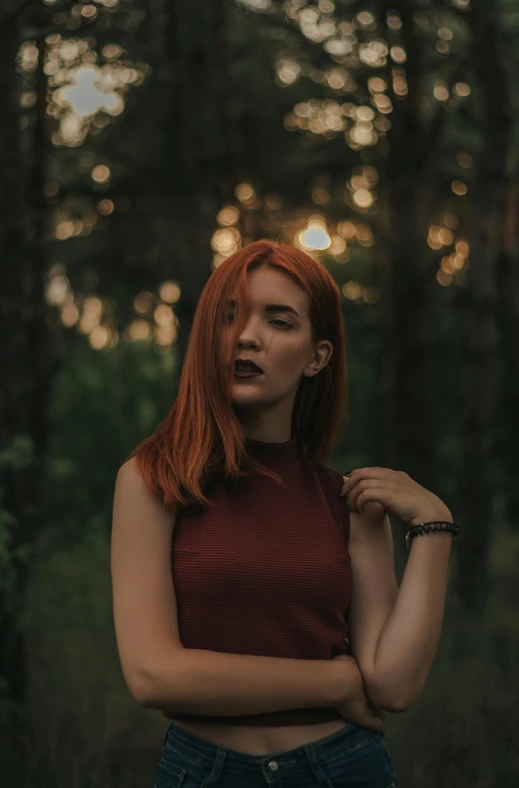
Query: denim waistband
x,y
208,754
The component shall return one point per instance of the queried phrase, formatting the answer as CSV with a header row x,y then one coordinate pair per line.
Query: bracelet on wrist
x,y
425,528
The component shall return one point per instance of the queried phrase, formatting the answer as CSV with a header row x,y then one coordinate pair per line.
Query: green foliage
x,y
88,730
104,404
17,456
79,707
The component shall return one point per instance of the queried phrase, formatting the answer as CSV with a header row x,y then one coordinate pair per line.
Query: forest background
x,y
141,143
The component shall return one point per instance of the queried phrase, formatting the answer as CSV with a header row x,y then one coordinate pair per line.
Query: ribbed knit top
x,y
265,570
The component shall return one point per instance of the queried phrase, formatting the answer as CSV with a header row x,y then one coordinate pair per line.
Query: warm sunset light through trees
x,y
143,142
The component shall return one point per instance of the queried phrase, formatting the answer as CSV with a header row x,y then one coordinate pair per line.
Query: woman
x,y
240,575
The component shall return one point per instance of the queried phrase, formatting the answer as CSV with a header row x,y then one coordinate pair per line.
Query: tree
x,y
479,302
25,349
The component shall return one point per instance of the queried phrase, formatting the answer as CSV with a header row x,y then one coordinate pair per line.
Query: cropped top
x,y
266,571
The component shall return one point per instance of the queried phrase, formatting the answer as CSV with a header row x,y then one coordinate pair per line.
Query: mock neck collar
x,y
284,450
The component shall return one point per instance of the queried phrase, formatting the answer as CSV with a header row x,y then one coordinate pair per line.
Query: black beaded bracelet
x,y
425,528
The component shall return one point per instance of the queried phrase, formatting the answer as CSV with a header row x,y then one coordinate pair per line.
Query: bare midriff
x,y
256,740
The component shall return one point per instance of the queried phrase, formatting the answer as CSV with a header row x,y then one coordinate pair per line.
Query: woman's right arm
x,y
159,672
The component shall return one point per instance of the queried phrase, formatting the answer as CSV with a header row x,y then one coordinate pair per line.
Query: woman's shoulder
x,y
325,470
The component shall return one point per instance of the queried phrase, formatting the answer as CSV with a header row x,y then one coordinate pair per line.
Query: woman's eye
x,y
283,323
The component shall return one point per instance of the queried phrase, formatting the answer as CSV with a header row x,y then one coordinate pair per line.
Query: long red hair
x,y
201,438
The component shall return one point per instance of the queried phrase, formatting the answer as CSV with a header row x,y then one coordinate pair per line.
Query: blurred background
x,y
142,142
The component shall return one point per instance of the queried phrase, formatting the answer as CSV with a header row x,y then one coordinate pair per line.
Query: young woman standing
x,y
255,599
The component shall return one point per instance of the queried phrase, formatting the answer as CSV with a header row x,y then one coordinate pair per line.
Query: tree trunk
x,y
195,149
26,365
508,312
405,274
479,335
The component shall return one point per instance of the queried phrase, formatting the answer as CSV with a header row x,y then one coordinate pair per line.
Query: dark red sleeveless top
x,y
265,570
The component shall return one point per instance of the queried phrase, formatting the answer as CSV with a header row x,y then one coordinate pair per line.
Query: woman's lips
x,y
245,373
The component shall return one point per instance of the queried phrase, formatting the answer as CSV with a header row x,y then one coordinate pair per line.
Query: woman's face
x,y
279,341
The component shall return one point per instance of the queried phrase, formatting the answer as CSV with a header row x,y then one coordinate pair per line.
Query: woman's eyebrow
x,y
272,307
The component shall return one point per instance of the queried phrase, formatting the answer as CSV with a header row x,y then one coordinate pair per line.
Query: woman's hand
x,y
356,707
379,490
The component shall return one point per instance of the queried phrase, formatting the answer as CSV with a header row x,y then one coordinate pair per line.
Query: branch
x,y
36,33
441,5
12,9
121,37
438,121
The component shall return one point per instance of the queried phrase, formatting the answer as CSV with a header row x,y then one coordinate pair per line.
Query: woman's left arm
x,y
395,632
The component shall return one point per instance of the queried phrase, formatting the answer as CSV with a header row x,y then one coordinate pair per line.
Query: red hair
x,y
201,437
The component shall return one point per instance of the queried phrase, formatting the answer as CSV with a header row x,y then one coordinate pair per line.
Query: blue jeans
x,y
353,757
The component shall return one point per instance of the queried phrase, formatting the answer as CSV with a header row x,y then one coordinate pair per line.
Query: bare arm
x,y
211,682
395,632
409,640
159,671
